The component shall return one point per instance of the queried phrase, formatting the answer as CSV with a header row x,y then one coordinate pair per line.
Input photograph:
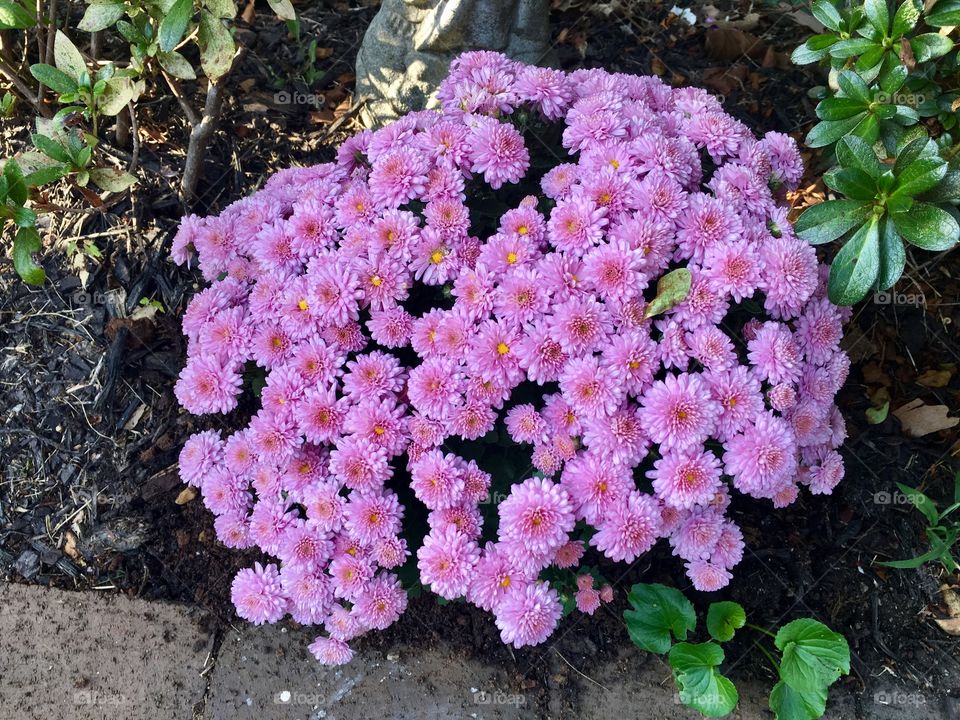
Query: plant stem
x,y
768,655
760,630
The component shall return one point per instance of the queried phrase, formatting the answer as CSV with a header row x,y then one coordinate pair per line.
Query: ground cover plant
x,y
565,311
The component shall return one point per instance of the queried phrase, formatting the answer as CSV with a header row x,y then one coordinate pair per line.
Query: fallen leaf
x,y
877,415
248,13
729,44
657,67
70,546
950,625
906,55
919,419
935,378
324,52
873,374
805,19
188,494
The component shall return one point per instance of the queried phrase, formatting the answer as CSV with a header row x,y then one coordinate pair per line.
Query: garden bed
x,y
91,431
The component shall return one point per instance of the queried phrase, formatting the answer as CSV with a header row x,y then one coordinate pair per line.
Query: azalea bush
x,y
888,116
497,345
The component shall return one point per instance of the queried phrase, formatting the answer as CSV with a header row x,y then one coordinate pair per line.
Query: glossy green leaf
x,y
225,9
878,15
174,25
852,182
922,503
829,131
788,704
25,243
905,18
724,619
894,80
945,13
839,108
919,176
814,656
947,190
655,612
701,686
827,14
851,47
868,129
854,86
829,220
929,46
893,256
856,266
928,227
853,152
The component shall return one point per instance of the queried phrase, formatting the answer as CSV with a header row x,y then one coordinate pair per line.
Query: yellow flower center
x,y
505,583
503,348
376,281
303,305
511,257
436,257
523,230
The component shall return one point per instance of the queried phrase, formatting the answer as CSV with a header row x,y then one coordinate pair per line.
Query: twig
x,y
134,160
192,117
25,91
578,672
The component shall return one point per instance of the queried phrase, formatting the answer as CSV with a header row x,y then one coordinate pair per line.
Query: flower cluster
x,y
395,323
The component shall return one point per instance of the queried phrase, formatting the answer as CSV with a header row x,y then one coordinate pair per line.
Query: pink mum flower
x,y
528,614
257,594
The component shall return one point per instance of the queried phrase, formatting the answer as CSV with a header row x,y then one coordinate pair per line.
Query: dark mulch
x,y
90,429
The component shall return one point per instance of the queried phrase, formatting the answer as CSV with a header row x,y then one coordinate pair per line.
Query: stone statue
x,y
408,47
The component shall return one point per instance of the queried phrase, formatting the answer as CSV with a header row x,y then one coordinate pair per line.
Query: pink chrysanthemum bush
x,y
476,364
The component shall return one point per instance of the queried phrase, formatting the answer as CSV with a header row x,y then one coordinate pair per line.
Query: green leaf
x,y
56,80
829,131
947,190
870,64
849,48
111,179
893,257
854,86
878,15
905,18
856,266
45,175
724,619
225,9
909,150
658,610
827,14
701,685
922,503
119,91
50,147
174,24
814,656
852,182
928,227
894,80
25,243
283,9
16,186
852,152
868,128
67,58
812,50
876,415
829,220
930,45
177,65
922,174
944,14
101,14
672,289
788,704
14,16
839,108
216,46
